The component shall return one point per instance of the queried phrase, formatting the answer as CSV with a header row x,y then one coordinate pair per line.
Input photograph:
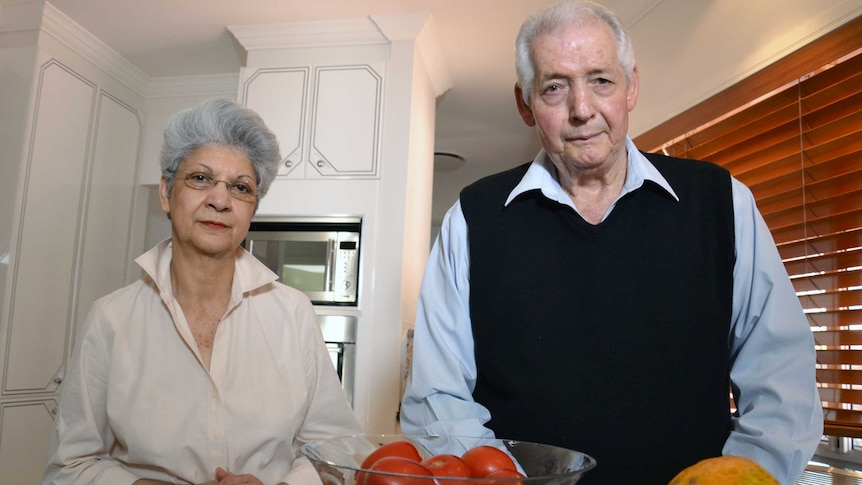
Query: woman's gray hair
x,y
558,15
219,121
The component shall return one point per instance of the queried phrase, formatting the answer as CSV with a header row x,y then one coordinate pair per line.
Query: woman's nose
x,y
219,195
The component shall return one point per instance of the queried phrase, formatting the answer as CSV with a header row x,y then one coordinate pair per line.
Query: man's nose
x,y
581,103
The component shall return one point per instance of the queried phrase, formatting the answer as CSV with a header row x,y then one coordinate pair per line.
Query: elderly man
x,y
608,300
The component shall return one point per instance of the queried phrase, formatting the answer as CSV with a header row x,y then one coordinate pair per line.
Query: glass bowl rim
x,y
589,461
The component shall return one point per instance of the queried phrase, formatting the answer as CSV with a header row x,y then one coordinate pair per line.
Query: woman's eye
x,y
199,177
240,187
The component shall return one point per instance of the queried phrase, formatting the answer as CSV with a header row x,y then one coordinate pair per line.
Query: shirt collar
x,y
542,175
249,273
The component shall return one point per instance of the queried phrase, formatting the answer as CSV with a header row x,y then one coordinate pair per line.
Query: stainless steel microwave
x,y
316,255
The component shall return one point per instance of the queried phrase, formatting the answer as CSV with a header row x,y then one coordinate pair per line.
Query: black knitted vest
x,y
609,339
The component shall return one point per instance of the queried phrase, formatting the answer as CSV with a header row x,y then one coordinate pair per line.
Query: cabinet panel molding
x,y
347,107
104,252
25,429
43,275
279,96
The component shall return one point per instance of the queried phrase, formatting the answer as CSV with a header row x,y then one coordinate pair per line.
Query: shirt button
x,y
213,394
216,436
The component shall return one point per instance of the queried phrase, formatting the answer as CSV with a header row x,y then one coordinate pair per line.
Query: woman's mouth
x,y
214,224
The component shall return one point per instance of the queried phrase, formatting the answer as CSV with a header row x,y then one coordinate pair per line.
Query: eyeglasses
x,y
240,190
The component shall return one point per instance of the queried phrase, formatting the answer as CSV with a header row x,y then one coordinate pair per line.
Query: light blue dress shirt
x,y
772,355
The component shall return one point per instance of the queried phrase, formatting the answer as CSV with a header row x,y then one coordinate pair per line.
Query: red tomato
x,y
400,448
507,474
447,466
483,460
403,466
404,449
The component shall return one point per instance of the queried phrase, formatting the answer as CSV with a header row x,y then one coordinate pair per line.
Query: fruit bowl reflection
x,y
339,460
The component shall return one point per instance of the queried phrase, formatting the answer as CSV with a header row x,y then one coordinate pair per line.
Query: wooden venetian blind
x,y
798,146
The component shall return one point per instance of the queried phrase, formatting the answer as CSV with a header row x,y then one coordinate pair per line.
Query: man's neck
x,y
593,192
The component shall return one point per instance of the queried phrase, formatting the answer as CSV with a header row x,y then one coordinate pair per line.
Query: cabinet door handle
x,y
320,163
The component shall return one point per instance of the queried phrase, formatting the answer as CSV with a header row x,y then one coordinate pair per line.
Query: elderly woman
x,y
206,370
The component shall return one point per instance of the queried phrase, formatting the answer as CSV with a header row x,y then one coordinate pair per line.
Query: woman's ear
x,y
164,197
523,108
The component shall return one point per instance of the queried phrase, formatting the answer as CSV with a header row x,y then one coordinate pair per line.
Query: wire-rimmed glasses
x,y
245,191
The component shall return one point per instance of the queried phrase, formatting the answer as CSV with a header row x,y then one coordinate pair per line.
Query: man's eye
x,y
554,90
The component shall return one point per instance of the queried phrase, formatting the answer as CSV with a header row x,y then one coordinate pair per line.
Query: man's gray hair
x,y
558,15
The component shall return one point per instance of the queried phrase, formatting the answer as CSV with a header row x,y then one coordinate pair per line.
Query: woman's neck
x,y
200,279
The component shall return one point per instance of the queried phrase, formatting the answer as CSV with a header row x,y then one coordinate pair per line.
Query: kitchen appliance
x,y
339,333
316,255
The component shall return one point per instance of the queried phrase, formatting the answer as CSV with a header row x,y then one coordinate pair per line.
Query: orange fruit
x,y
724,470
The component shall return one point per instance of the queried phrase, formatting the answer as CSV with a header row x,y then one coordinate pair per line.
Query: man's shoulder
x,y
684,166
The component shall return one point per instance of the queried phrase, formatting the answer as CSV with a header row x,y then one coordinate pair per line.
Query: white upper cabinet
x,y
327,117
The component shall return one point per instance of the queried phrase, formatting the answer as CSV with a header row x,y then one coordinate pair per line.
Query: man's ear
x,y
523,108
632,89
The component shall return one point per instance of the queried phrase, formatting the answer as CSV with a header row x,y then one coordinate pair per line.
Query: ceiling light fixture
x,y
447,161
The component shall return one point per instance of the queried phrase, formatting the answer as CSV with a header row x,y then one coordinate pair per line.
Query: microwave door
x,y
304,261
322,292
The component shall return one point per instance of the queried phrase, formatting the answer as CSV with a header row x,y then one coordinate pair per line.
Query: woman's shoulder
x,y
142,291
283,299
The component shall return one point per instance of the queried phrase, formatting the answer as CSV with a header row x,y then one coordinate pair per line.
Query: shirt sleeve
x,y
779,422
78,450
438,397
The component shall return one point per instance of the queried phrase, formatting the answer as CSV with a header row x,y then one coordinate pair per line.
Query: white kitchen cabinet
x,y
74,137
352,103
328,118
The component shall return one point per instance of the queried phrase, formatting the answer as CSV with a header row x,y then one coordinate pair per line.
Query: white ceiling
x,y
687,50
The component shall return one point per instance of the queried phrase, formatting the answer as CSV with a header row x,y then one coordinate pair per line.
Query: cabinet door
x,y
346,121
38,328
104,253
27,428
279,96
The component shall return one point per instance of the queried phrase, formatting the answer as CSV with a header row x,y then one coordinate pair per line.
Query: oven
x,y
339,333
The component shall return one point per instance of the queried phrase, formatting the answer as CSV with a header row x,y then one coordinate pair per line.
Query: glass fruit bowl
x,y
339,461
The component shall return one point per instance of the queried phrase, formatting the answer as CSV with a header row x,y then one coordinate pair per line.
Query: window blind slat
x,y
836,396
839,357
842,259
820,244
835,338
779,214
829,224
842,376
